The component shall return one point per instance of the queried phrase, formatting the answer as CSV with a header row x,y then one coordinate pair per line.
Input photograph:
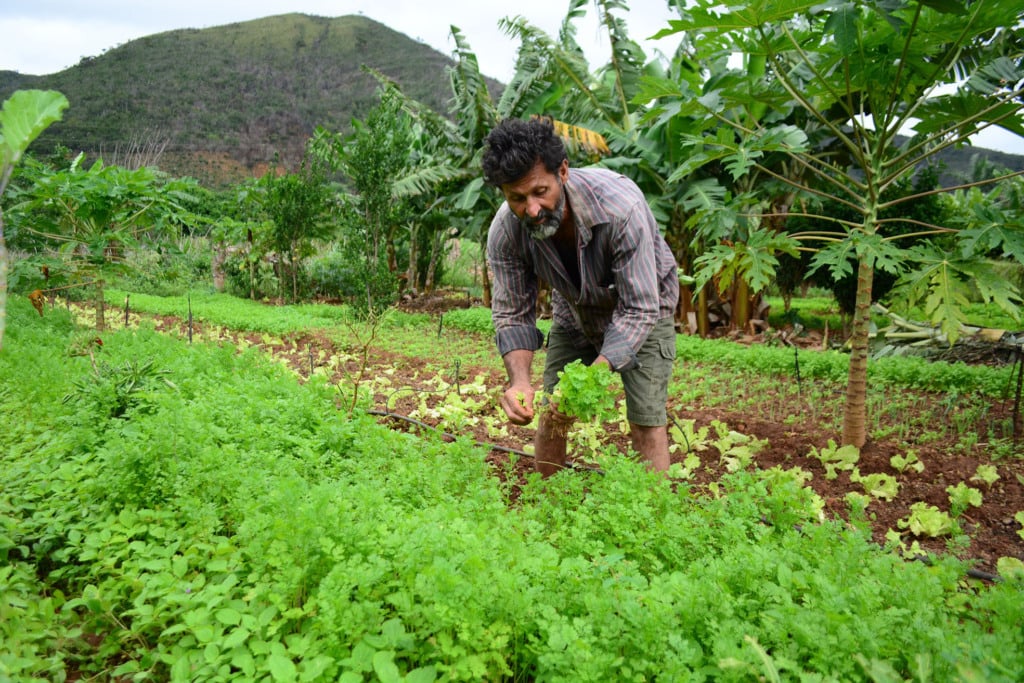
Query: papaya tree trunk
x,y
412,275
252,265
855,411
703,321
217,258
3,283
740,318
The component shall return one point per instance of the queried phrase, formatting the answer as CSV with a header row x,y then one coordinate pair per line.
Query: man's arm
x,y
517,400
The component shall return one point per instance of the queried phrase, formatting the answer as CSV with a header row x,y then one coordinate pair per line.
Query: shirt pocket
x,y
601,297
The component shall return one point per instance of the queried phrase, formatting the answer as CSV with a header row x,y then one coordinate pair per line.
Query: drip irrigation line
x,y
406,418
484,444
973,573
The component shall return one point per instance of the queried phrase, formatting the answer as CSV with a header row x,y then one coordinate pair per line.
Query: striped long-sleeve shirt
x,y
628,275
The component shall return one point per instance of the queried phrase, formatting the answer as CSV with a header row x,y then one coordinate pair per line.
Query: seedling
x,y
986,474
902,463
878,485
927,520
961,496
836,458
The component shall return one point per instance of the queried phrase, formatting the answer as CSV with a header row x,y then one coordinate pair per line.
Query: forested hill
x,y
226,99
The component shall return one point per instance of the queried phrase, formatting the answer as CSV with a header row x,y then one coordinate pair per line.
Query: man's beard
x,y
546,223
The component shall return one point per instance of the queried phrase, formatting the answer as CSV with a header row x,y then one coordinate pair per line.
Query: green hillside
x,y
221,103
228,99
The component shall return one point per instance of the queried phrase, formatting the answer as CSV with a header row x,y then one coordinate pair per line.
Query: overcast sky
x,y
46,36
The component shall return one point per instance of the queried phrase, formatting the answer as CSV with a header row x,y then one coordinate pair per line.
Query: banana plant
x,y
25,115
862,72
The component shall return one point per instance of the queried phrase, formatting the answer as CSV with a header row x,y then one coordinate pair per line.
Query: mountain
x,y
221,103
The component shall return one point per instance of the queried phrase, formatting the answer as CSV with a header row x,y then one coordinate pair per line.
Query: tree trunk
x,y
389,249
252,266
703,322
740,318
217,259
3,283
101,308
412,273
485,278
293,258
855,412
436,244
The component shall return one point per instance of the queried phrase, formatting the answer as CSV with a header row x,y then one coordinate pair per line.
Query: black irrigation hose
x,y
489,446
406,418
973,573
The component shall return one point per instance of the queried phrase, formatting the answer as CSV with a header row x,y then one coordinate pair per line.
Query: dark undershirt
x,y
567,252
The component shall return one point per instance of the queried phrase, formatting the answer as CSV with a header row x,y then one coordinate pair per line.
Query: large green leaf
x,y
25,115
842,24
708,15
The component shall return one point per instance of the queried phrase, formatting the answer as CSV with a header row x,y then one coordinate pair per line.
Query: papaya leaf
x,y
25,115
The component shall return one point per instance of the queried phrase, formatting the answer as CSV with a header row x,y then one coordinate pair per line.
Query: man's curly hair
x,y
515,146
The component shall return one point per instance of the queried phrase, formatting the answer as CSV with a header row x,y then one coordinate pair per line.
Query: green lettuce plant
x,y
586,392
927,520
878,484
961,497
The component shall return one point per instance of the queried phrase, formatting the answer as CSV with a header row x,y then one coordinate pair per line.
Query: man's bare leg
x,y
651,443
549,445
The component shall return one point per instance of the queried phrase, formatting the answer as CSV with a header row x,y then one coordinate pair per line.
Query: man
x,y
590,234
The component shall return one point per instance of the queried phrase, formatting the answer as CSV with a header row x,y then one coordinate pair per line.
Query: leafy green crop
x,y
586,392
836,458
927,520
238,526
961,497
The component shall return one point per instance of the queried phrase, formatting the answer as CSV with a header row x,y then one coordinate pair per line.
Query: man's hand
x,y
517,402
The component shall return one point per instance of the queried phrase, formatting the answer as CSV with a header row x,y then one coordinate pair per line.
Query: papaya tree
x,y
866,72
93,216
25,115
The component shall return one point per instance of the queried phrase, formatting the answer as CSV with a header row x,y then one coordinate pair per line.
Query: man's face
x,y
538,200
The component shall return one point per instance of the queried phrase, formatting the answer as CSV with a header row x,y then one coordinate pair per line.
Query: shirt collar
x,y
587,211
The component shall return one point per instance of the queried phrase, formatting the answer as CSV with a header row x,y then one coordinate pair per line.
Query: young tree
x,y
94,215
372,159
864,71
300,206
25,115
